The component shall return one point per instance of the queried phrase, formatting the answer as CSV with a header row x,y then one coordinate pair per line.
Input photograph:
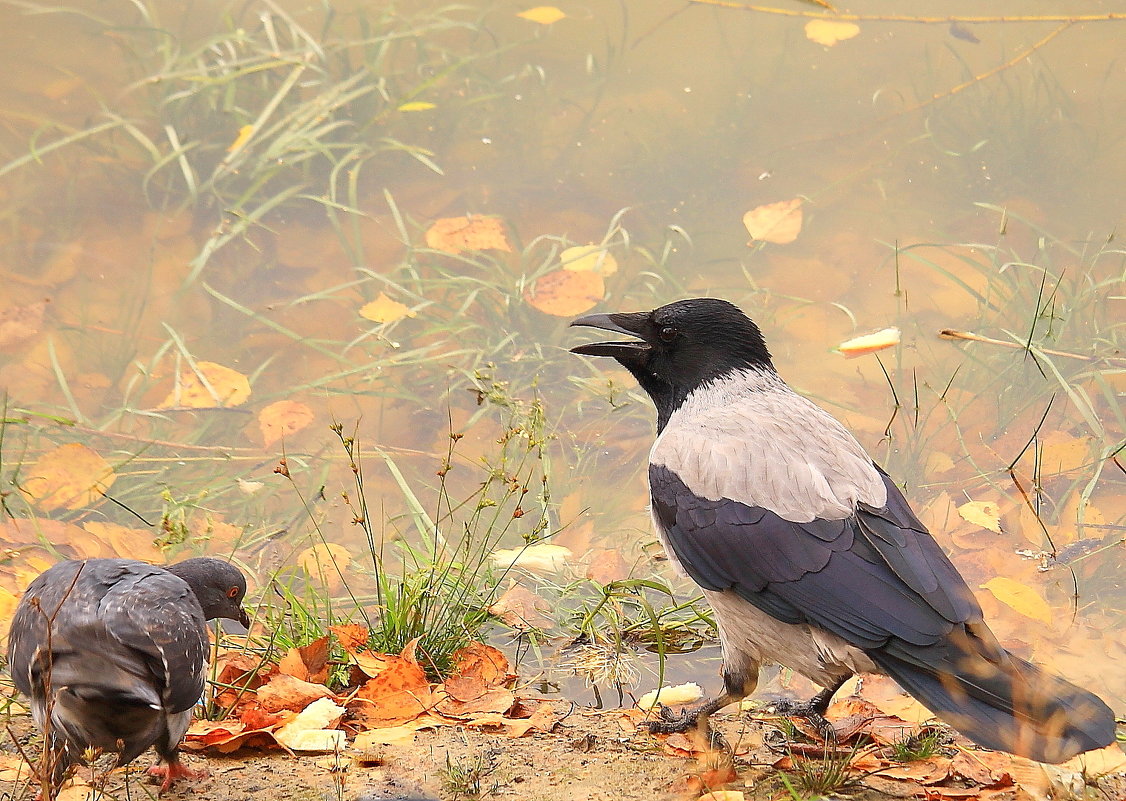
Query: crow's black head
x,y
680,347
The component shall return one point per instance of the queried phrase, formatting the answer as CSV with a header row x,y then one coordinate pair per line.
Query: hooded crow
x,y
807,551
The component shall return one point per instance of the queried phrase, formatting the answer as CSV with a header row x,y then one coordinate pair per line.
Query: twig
x,y
790,12
970,336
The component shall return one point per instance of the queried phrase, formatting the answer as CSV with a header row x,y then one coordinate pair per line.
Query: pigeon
x,y
808,552
112,653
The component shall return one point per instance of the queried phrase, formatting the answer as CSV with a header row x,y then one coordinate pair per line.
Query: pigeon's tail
x,y
1001,701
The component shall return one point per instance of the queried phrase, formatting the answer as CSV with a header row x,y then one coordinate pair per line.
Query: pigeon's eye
x,y
232,592
668,333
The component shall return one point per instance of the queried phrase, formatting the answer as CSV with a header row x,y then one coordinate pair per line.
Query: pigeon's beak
x,y
629,324
243,618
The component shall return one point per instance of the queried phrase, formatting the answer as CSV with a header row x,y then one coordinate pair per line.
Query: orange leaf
x,y
209,386
779,222
281,419
286,692
521,608
353,637
483,662
308,662
1020,597
70,476
385,310
544,15
399,692
565,293
458,234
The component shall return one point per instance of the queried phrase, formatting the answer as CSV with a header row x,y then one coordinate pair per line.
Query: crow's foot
x,y
173,771
695,718
811,711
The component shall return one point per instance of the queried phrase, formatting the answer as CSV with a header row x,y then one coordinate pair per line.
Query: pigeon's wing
x,y
872,578
158,620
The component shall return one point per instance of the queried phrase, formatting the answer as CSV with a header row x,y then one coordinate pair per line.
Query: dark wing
x,y
872,578
158,620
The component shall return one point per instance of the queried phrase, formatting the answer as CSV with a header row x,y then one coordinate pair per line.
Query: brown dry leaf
x,y
1020,597
209,386
307,662
924,771
486,702
288,692
282,419
224,737
521,608
392,735
484,662
540,557
543,718
400,691
779,222
589,257
18,323
829,31
325,560
70,476
474,232
1099,762
353,637
565,293
982,513
544,15
607,565
869,343
385,310
891,700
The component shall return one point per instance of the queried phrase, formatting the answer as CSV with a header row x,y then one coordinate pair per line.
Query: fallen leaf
x,y
1099,762
482,661
416,105
209,386
543,718
325,561
225,736
392,735
565,293
1020,597
540,557
385,310
70,476
669,696
282,419
828,32
244,134
474,232
607,565
544,15
779,222
522,609
1063,453
353,637
869,343
307,662
982,513
723,795
482,700
18,323
128,543
288,692
594,258
398,693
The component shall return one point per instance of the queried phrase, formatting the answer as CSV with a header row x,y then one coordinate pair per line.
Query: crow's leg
x,y
737,686
814,709
172,770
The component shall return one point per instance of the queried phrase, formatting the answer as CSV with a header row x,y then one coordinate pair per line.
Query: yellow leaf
x,y
1063,453
282,418
589,257
544,15
417,105
310,731
385,310
208,386
565,293
474,232
1020,597
244,134
982,513
779,222
70,476
325,559
828,32
869,343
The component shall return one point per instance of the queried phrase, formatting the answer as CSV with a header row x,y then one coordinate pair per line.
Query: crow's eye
x,y
668,333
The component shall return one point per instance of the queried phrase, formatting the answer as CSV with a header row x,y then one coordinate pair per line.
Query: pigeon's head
x,y
218,586
680,346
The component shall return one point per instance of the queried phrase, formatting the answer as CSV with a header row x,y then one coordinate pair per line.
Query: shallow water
x,y
951,176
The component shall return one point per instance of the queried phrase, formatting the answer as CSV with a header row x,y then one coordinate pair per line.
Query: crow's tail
x,y
1006,704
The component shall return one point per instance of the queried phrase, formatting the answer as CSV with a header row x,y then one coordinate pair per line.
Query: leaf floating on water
x,y
544,15
1020,597
565,293
589,257
417,105
475,232
982,513
70,476
869,343
828,32
542,557
282,419
244,134
779,222
209,386
385,310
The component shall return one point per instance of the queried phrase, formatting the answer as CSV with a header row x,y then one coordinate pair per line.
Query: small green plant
x,y
466,777
917,745
817,777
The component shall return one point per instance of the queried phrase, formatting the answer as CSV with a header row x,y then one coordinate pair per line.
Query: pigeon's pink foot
x,y
175,770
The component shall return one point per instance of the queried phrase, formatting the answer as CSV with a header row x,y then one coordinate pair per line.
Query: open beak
x,y
628,324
